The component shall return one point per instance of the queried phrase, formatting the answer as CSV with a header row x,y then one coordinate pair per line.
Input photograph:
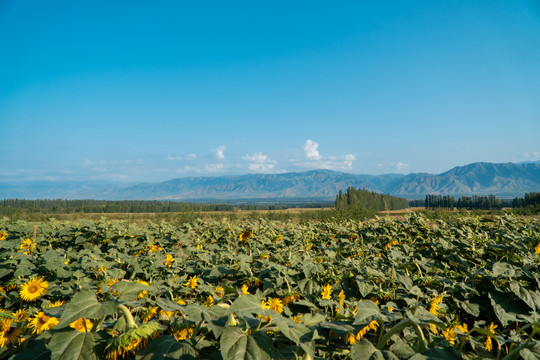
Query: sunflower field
x,y
460,288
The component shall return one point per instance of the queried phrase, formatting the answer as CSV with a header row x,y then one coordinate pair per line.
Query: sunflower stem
x,y
129,317
394,330
97,324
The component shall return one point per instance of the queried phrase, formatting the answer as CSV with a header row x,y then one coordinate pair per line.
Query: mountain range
x,y
505,180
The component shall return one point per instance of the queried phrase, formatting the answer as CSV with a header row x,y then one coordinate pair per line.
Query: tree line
x,y
531,201
60,206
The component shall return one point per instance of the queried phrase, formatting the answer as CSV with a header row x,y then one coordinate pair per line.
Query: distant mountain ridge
x,y
504,179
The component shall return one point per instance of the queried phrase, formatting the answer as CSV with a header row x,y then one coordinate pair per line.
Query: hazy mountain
x,y
505,180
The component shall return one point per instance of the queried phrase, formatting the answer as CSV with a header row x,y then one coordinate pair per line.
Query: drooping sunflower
x,y
371,326
82,325
488,345
341,297
41,322
3,235
33,289
289,298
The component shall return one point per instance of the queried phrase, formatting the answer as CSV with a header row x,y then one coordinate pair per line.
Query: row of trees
x,y
477,202
362,198
474,202
530,199
12,206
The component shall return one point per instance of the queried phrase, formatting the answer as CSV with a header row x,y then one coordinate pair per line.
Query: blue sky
x,y
147,91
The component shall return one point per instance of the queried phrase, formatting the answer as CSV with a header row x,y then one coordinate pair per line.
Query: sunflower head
x,y
41,322
82,325
327,292
245,235
33,289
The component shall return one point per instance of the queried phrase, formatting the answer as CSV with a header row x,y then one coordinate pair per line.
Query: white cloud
x,y
310,147
534,154
191,156
349,158
169,157
259,162
400,166
214,167
138,161
220,151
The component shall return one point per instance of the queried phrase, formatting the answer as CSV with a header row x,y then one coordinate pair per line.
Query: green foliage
x,y
394,289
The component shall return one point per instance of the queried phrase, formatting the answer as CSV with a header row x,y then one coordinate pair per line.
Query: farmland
x,y
246,288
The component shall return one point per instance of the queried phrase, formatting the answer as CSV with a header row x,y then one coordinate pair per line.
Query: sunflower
x,y
209,301
150,313
169,260
434,305
41,322
192,282
20,315
276,305
144,292
487,343
290,298
371,326
537,249
245,289
327,292
341,297
33,289
9,335
28,245
245,235
219,291
3,235
183,334
82,325
56,304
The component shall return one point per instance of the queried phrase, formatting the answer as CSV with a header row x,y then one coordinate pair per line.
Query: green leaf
x,y
404,280
85,305
128,290
364,287
169,305
73,345
503,270
249,304
34,350
532,353
473,309
367,311
531,298
166,347
294,331
506,308
438,354
236,345
365,350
